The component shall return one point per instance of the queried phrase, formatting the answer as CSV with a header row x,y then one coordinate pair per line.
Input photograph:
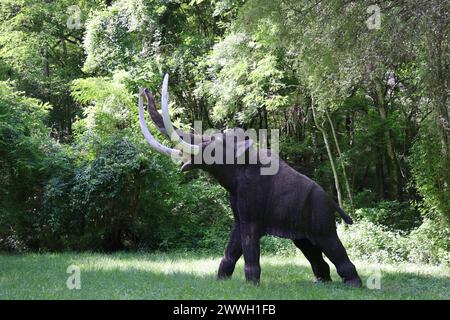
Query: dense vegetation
x,y
363,111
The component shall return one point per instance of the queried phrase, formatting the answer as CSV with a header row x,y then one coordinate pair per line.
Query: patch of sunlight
x,y
200,266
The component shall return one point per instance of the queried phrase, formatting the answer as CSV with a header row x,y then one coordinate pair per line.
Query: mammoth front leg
x,y
232,253
251,249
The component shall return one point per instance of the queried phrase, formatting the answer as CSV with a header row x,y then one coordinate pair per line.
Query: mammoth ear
x,y
242,147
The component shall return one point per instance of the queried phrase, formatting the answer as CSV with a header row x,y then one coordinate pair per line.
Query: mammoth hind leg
x,y
335,251
320,268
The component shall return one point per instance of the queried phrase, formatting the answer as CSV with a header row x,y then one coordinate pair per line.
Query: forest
x,y
358,89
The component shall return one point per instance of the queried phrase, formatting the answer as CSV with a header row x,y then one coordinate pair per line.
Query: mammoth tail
x,y
344,215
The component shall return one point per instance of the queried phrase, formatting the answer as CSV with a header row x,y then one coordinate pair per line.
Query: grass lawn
x,y
192,276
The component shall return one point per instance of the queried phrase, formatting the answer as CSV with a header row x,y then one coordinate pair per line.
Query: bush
x,y
206,215
126,197
430,243
392,214
365,199
368,241
279,246
430,171
24,145
105,203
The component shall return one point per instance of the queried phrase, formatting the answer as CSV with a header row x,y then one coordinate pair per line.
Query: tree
x,y
43,54
24,144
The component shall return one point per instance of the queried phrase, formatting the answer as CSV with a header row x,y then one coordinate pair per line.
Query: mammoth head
x,y
194,150
227,148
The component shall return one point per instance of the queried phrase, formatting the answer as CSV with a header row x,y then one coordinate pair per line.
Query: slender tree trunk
x,y
380,178
344,172
330,155
67,100
394,177
266,120
349,127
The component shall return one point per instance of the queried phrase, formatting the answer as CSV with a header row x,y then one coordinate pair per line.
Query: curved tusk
x,y
187,147
149,137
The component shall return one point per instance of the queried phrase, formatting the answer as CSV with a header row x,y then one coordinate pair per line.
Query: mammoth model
x,y
285,204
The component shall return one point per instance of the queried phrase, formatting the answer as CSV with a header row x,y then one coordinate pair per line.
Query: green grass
x,y
192,276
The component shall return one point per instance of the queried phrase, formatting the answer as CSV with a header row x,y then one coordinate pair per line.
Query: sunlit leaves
x,y
120,35
108,104
245,77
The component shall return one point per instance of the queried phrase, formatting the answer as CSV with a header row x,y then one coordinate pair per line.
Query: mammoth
x,y
285,204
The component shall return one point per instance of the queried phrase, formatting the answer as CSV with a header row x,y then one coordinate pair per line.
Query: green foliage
x,y
392,214
108,198
431,174
109,107
279,246
203,217
430,243
24,145
371,242
128,198
245,79
376,243
365,198
116,37
42,54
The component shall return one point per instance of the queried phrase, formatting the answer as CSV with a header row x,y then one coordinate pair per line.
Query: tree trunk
x,y
394,177
330,155
349,128
67,99
344,173
380,178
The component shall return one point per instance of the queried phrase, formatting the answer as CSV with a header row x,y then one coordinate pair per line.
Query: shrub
x,y
24,144
430,243
279,246
365,199
392,214
206,212
430,171
368,241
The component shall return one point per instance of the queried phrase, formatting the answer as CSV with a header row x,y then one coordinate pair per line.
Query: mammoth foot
x,y
226,269
223,276
354,283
